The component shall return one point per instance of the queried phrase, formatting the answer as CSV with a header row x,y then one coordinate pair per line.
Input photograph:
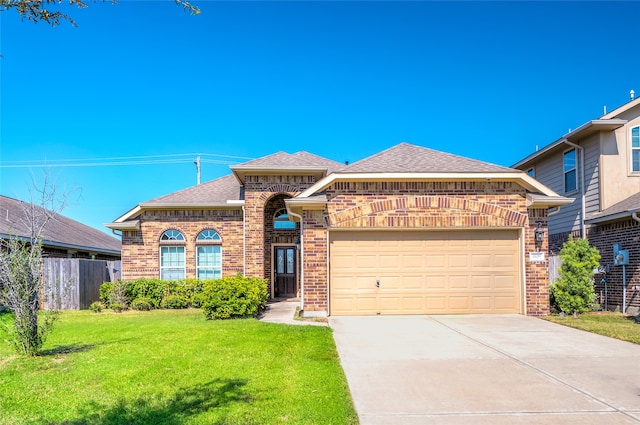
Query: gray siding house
x,y
598,165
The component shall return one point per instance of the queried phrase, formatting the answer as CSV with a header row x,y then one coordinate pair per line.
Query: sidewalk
x,y
283,311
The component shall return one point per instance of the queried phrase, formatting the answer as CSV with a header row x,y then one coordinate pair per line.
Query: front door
x,y
285,271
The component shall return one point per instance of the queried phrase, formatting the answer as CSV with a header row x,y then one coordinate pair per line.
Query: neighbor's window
x,y
570,171
635,149
172,265
209,255
281,220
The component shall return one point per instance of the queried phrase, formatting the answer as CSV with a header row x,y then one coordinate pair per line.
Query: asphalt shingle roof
x,y
407,158
59,230
214,192
285,160
632,203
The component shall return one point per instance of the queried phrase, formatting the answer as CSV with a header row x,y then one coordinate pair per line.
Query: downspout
x,y
634,215
244,244
583,232
301,259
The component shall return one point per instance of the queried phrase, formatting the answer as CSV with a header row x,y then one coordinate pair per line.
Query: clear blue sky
x,y
342,80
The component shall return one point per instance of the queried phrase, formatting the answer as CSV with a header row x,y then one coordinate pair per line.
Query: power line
x,y
121,161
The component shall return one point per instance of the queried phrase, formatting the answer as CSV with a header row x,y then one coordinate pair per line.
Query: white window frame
x,y
567,171
172,268
635,149
209,238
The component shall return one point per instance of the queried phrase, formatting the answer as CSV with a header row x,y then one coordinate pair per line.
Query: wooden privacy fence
x,y
554,268
74,283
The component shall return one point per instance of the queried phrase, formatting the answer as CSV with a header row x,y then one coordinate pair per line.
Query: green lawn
x,y
174,367
615,325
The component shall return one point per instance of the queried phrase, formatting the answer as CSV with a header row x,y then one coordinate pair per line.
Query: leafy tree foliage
x,y
44,10
573,292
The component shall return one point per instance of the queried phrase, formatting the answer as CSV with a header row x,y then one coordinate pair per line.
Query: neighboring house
x,y
62,237
409,230
598,165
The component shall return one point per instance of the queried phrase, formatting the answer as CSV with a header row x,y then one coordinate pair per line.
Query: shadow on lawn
x,y
67,349
168,410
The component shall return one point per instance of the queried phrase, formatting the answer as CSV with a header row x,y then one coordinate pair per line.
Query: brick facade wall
x,y
258,190
423,205
314,263
141,249
603,236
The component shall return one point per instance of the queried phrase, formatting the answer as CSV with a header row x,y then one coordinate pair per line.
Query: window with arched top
x,y
172,235
209,236
172,261
281,220
208,255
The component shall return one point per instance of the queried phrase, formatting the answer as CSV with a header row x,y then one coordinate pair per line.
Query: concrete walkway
x,y
490,369
283,311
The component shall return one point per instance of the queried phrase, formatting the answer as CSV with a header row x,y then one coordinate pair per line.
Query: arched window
x,y
208,255
172,264
172,235
209,235
635,149
281,220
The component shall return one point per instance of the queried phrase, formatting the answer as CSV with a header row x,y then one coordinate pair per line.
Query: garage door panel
x,y
459,304
436,282
412,282
481,282
505,282
435,260
481,260
425,272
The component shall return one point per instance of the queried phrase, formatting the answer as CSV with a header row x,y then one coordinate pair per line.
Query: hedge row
x,y
226,298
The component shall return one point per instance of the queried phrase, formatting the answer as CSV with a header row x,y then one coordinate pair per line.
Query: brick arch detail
x,y
277,189
490,215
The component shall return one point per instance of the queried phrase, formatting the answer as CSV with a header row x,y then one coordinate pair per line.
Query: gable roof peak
x,y
408,158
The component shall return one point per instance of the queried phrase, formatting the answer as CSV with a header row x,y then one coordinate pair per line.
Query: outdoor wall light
x,y
539,235
297,243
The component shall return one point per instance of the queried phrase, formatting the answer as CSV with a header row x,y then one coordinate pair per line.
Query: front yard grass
x,y
173,367
614,325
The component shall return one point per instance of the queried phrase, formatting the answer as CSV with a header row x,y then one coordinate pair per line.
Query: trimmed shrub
x,y
573,292
197,300
117,307
105,292
152,290
234,297
142,304
96,307
175,302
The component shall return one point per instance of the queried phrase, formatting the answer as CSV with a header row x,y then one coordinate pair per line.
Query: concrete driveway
x,y
489,369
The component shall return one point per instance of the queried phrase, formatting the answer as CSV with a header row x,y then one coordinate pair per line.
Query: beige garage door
x,y
424,272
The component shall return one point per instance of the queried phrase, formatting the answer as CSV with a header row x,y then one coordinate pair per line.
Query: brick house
x,y
598,165
409,230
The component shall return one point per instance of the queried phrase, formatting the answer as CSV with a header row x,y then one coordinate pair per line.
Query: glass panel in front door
x,y
280,261
290,260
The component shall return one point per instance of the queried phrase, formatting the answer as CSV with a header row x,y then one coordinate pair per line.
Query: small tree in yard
x,y
573,292
21,279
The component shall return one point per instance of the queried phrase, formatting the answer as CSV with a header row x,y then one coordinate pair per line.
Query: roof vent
x,y
632,94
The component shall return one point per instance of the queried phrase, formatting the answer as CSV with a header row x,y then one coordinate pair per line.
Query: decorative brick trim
x,y
425,203
289,189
